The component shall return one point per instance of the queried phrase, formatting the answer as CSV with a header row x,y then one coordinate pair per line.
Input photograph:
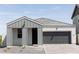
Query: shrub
x,y
0,39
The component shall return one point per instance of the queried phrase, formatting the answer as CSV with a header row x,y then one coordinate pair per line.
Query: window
x,y
78,20
19,33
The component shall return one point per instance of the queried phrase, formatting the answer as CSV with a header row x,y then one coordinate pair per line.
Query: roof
x,y
50,22
40,21
76,11
24,17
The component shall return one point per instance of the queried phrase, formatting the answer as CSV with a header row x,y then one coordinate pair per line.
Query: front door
x,y
34,36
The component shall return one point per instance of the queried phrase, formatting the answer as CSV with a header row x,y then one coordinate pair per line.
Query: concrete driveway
x,y
43,49
60,48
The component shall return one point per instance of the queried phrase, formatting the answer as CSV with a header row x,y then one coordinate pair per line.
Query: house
x,y
26,31
75,18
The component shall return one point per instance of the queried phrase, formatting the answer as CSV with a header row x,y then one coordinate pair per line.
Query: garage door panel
x,y
50,37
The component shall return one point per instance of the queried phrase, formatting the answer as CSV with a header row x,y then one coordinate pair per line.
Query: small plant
x,y
23,47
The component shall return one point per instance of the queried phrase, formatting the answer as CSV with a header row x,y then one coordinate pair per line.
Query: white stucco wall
x,y
71,29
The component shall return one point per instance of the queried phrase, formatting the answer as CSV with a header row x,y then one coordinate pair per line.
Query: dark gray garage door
x,y
56,37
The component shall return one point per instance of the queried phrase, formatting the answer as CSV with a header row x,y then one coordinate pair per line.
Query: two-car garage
x,y
56,32
59,37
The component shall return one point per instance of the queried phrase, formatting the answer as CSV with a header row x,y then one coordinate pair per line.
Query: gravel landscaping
x,y
27,49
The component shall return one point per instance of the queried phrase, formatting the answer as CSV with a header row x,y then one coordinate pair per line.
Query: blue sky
x,y
59,12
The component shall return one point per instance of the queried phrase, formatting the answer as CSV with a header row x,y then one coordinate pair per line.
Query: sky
x,y
58,12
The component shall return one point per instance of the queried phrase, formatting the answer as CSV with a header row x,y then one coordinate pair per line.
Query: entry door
x,y
34,36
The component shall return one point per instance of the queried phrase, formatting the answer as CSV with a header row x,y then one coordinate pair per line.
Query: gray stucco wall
x,y
9,39
16,41
76,23
29,36
26,32
40,36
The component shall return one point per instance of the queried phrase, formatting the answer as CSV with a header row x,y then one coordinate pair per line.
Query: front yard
x,y
19,49
44,49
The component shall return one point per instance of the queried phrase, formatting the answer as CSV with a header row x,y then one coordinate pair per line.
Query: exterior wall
x,y
40,36
9,39
25,36
76,22
12,39
16,41
29,36
72,29
26,26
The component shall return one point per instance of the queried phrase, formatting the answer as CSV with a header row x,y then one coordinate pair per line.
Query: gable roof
x,y
50,22
23,17
76,11
23,21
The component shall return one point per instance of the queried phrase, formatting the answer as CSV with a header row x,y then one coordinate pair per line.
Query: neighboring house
x,y
75,18
26,31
